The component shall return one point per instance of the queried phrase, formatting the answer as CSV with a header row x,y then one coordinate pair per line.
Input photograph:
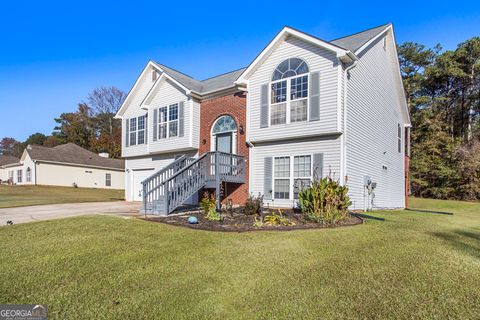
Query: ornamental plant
x,y
325,201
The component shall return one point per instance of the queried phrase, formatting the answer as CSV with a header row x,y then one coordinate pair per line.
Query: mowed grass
x,y
17,196
398,265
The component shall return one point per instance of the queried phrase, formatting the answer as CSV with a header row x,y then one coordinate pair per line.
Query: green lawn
x,y
17,196
400,265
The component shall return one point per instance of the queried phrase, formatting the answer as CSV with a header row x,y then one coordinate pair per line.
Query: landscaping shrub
x,y
209,204
254,204
277,219
325,201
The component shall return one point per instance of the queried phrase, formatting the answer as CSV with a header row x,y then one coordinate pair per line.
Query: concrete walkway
x,y
58,211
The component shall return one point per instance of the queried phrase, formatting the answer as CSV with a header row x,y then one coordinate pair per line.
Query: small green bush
x,y
254,204
325,201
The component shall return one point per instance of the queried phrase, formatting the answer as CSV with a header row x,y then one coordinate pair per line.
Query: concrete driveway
x,y
58,211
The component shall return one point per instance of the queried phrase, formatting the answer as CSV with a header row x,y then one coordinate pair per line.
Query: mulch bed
x,y
237,221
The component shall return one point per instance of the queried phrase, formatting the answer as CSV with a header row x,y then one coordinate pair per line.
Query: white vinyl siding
x,y
373,114
166,100
328,146
318,60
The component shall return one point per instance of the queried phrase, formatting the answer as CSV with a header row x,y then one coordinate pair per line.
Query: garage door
x,y
138,177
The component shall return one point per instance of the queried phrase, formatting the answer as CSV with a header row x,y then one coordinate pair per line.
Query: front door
x,y
224,142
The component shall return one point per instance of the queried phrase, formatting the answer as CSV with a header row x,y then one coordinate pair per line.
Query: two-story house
x,y
304,108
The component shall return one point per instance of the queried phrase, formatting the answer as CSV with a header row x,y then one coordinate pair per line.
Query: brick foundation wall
x,y
233,105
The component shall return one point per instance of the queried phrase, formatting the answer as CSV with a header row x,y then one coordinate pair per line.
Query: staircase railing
x,y
153,186
181,179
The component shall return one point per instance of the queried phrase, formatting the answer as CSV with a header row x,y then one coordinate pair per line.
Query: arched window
x,y
224,124
289,92
290,68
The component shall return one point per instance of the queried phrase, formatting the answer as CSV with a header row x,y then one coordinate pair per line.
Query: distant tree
x,y
76,127
36,138
10,147
52,141
106,100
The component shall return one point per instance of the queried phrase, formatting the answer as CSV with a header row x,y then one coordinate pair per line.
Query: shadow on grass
x,y
430,211
366,216
462,240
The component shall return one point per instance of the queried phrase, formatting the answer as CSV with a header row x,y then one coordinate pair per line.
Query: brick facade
x,y
233,105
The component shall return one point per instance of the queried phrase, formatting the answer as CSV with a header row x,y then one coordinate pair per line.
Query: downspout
x,y
345,109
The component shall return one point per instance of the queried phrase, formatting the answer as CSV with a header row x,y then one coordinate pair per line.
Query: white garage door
x,y
138,177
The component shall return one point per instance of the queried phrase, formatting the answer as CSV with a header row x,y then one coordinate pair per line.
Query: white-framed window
x,y
289,92
19,176
399,138
168,121
290,175
138,130
108,179
10,175
28,175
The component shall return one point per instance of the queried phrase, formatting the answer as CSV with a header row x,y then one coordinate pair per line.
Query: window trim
x,y
137,130
291,177
288,99
108,179
168,121
20,176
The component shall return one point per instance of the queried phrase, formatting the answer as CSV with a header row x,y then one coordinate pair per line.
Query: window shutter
x,y
318,165
264,106
267,176
155,124
181,108
146,128
127,132
314,95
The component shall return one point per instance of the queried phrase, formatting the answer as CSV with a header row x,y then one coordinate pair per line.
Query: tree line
x,y
92,126
443,94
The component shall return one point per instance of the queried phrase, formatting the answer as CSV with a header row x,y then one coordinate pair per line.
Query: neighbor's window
x,y
108,179
19,176
281,174
289,95
10,175
399,138
29,175
133,131
168,121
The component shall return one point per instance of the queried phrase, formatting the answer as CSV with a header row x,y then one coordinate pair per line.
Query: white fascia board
x,y
366,44
163,76
281,35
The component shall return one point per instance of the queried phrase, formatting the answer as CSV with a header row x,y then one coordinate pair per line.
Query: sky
x,y
52,54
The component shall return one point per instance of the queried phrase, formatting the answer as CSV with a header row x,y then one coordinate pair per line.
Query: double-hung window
x,y
168,121
108,179
28,175
19,176
291,174
289,92
138,130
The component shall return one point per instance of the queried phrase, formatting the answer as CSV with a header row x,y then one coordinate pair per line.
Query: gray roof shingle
x,y
356,41
71,153
4,160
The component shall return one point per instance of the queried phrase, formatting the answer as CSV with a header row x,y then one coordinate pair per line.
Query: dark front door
x,y
224,142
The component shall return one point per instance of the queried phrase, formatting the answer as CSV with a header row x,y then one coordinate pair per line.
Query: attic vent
x,y
154,75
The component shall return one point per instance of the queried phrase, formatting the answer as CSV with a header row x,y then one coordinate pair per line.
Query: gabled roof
x,y
70,153
4,160
355,41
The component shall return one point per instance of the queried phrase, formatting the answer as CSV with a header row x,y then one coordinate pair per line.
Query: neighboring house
x,y
67,165
304,107
7,162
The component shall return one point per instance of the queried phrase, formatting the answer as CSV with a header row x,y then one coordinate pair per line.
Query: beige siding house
x,y
65,165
